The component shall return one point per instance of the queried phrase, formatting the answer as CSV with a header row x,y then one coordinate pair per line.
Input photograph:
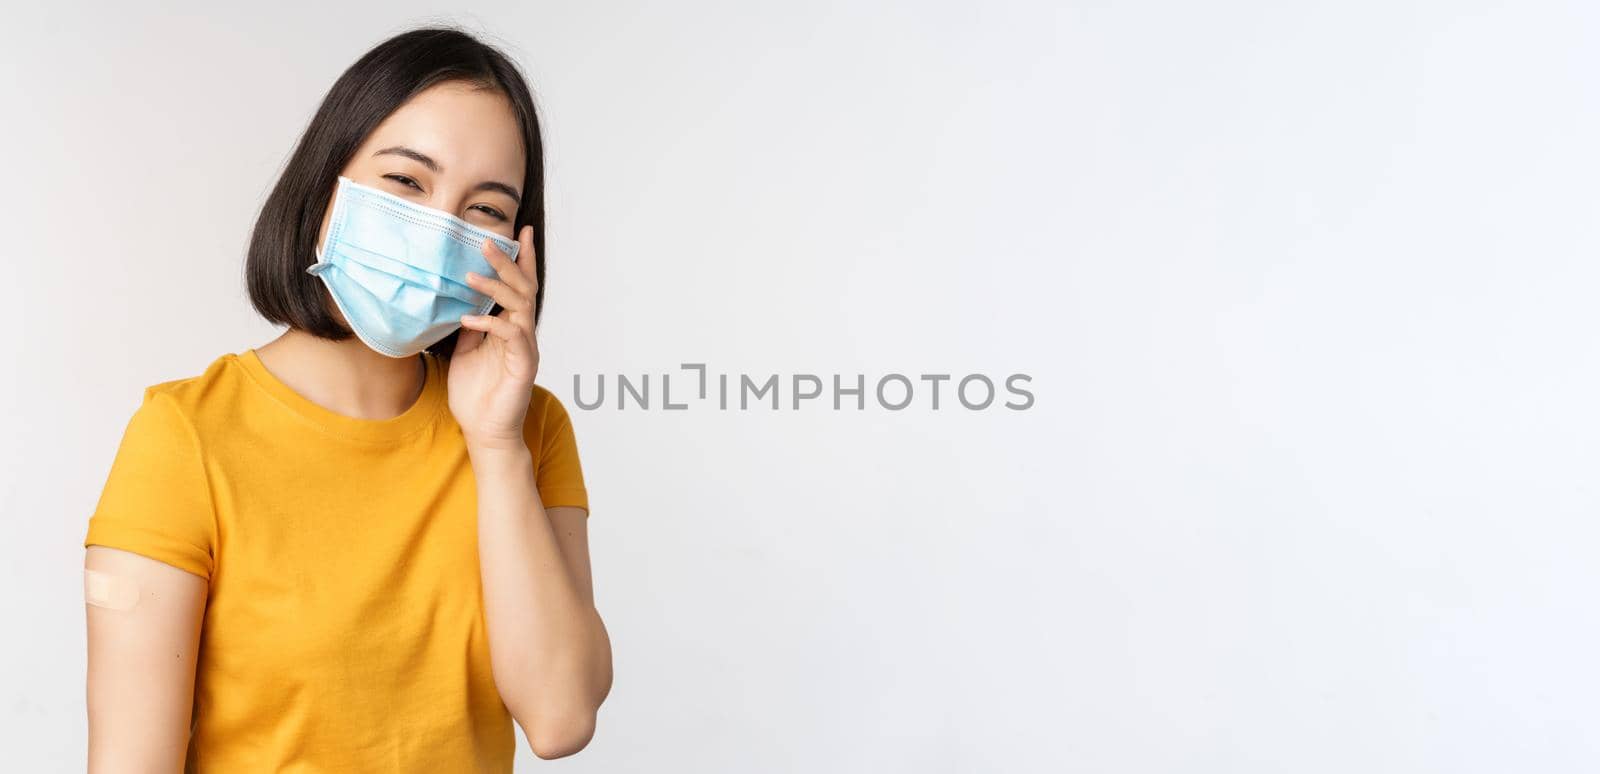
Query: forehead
x,y
472,133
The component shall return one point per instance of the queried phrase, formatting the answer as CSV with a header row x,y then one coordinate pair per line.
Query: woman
x,y
361,546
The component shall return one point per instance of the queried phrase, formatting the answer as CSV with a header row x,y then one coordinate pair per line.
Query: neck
x,y
346,377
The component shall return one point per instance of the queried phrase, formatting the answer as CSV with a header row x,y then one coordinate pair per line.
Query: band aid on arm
x,y
104,589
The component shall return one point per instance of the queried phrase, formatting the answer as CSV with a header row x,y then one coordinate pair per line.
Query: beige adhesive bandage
x,y
103,589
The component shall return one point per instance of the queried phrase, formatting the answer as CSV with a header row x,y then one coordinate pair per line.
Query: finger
x,y
527,259
505,267
503,294
498,327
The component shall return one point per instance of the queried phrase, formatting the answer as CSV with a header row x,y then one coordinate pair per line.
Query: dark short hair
x,y
283,242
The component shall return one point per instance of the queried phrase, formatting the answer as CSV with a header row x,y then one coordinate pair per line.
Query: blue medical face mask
x,y
398,270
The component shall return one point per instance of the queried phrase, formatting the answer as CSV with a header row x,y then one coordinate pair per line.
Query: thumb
x,y
468,340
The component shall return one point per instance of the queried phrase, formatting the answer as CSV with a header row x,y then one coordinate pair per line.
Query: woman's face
x,y
452,147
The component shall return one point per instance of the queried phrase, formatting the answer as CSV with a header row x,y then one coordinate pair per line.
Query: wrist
x,y
486,450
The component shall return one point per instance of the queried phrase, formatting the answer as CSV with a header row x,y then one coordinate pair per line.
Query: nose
x,y
449,198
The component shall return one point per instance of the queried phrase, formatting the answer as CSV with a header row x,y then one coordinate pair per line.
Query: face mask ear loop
x,y
333,221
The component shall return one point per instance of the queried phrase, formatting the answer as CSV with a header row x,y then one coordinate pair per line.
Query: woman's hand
x,y
496,357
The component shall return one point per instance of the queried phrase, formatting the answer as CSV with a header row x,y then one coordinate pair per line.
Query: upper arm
x,y
550,436
157,500
559,474
571,527
151,542
141,662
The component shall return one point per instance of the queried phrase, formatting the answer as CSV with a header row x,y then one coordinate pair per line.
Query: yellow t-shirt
x,y
344,629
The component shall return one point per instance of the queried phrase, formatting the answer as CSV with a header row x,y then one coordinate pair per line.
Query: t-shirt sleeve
x,y
157,499
560,474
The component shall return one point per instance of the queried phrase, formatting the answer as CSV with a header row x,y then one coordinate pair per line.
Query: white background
x,y
1306,292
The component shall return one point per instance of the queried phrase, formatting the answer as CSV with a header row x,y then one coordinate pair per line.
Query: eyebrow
x,y
433,166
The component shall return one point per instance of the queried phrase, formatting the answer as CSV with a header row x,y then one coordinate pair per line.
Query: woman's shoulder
x,y
550,436
545,400
217,369
547,415
209,393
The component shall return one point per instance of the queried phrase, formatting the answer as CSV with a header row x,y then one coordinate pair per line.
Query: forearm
x,y
549,650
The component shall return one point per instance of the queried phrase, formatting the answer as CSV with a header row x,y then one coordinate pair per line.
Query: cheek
x,y
322,230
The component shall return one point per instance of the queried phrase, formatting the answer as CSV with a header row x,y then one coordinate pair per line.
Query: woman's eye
x,y
491,211
403,180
